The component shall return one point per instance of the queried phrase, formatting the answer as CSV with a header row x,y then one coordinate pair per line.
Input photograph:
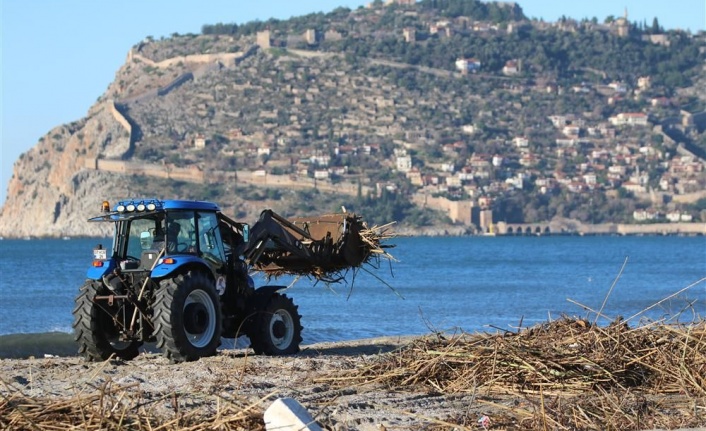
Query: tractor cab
x,y
153,235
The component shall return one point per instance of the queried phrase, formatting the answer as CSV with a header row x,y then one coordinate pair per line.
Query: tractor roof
x,y
132,208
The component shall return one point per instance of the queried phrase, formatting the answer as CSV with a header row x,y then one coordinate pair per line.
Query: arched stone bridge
x,y
503,228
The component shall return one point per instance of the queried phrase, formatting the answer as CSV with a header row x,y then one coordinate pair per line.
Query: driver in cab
x,y
171,240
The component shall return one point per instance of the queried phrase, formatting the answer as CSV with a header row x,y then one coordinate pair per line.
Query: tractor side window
x,y
210,243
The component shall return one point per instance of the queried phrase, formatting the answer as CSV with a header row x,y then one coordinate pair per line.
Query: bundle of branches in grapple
x,y
319,246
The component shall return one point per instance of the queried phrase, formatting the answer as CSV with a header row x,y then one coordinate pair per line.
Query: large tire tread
x,y
261,340
169,321
90,331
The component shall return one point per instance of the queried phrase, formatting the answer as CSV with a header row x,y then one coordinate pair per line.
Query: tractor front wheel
x,y
278,328
187,318
96,329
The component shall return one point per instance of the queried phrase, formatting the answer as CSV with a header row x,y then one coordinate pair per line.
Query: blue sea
x,y
450,284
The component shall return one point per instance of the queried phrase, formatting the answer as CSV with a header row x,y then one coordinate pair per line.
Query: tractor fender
x,y
97,272
256,302
181,264
262,295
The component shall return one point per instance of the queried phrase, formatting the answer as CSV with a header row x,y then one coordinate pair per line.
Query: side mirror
x,y
145,240
246,232
210,241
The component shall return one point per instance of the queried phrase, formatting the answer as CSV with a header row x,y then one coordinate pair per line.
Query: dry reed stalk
x,y
578,374
114,408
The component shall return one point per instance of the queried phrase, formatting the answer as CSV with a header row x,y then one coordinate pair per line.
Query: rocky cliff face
x,y
51,193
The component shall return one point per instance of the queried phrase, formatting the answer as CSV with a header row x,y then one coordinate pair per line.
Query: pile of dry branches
x,y
570,373
335,243
115,407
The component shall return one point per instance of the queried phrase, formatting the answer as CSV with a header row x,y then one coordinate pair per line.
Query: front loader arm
x,y
318,246
270,232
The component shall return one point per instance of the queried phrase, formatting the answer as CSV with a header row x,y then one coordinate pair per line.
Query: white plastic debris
x,y
286,414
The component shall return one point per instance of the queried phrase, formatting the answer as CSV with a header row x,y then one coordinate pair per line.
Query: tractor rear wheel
x,y
187,318
95,330
278,328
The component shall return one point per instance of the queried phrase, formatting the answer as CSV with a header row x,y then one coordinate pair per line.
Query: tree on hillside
x,y
656,29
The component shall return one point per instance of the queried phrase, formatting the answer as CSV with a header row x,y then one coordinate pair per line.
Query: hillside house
x,y
645,215
660,102
453,181
403,163
431,180
685,165
666,183
517,182
571,130
565,142
546,185
320,159
369,149
234,134
644,82
469,129
520,142
199,142
312,36
343,150
576,187
441,28
657,39
400,2
409,34
529,160
678,216
512,67
629,119
321,174
559,121
618,87
468,65
455,147
479,161
415,177
617,170
448,167
485,202
591,179
581,88
634,187
465,174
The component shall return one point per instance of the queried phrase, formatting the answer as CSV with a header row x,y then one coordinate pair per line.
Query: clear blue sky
x,y
58,57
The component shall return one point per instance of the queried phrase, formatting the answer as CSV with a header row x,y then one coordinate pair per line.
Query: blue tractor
x,y
178,274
